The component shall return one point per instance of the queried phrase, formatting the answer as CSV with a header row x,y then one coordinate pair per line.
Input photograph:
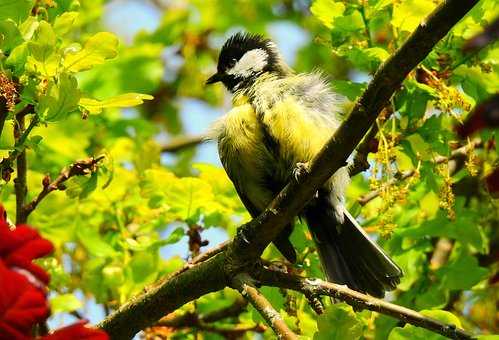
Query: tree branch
x,y
244,284
79,168
253,237
360,163
456,154
181,143
317,287
165,297
21,167
192,319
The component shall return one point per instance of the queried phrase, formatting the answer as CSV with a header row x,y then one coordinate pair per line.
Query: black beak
x,y
214,79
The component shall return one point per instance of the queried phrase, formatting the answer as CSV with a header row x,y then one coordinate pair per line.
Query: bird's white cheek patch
x,y
251,62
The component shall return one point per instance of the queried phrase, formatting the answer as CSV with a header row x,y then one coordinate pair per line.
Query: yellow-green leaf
x,y
64,23
60,100
125,100
338,322
96,50
17,10
327,10
64,303
408,14
42,58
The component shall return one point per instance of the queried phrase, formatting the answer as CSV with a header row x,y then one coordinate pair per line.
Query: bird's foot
x,y
300,170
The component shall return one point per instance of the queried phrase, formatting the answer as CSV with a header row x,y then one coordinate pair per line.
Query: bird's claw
x,y
300,170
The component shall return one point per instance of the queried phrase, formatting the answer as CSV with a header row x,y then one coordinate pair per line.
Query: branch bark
x,y
21,167
317,287
193,319
79,168
165,297
252,238
244,284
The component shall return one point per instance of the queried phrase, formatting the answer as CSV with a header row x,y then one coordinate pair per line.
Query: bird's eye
x,y
232,62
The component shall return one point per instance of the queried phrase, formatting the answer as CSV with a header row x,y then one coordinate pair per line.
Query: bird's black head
x,y
243,58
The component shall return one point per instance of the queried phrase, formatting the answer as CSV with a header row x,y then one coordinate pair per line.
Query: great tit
x,y
280,119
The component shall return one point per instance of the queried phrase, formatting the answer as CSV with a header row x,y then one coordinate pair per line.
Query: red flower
x,y
19,246
77,331
21,305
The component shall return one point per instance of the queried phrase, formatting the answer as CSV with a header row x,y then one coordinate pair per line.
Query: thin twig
x,y
192,319
358,300
456,154
229,332
180,143
360,162
20,136
3,115
79,168
21,167
244,284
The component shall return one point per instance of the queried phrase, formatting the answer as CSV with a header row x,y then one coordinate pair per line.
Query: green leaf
x,y
144,266
60,100
97,50
348,88
437,296
327,10
42,58
17,58
366,59
413,99
125,100
16,10
113,275
462,272
420,146
64,23
464,228
10,37
174,237
81,186
408,14
64,303
338,322
410,332
345,27
411,262
93,242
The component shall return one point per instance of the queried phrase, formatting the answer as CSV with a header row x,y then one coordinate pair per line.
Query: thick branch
x,y
317,287
181,143
244,284
165,297
79,168
462,152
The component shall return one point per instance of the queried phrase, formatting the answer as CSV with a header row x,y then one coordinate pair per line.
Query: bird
x,y
279,121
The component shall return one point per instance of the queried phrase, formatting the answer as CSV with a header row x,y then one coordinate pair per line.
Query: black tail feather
x,y
347,253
